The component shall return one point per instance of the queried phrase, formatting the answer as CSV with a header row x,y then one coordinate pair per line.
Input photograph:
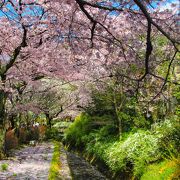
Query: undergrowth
x,y
167,169
134,152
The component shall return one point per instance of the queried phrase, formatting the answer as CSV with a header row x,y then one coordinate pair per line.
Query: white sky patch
x,y
169,6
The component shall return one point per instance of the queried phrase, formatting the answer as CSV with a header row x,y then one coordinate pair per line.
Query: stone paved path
x,y
29,163
82,170
33,163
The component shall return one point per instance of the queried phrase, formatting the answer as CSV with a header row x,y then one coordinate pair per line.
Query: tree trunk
x,y
11,119
119,122
49,120
2,120
2,107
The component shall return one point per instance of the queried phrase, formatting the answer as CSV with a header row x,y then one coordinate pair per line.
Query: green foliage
x,y
121,109
62,124
55,163
4,167
176,95
100,139
81,127
134,151
138,149
41,119
163,170
160,43
143,141
102,102
168,133
53,133
14,174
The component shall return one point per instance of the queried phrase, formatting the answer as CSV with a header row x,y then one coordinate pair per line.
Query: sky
x,y
162,7
168,5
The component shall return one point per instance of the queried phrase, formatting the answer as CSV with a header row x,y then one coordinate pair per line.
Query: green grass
x,y
55,163
165,170
14,174
4,167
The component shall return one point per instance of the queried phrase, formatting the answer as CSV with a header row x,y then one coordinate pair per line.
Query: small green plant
x,y
14,174
4,167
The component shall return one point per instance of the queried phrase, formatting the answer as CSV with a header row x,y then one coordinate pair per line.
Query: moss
x,y
55,163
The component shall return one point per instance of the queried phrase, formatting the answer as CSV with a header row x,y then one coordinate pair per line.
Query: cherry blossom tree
x,y
86,40
20,22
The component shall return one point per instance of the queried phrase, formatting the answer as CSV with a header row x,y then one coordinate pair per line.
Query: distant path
x,y
30,163
82,170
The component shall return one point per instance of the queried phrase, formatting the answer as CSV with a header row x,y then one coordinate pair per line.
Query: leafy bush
x,y
176,94
99,140
62,124
134,150
168,133
81,127
138,149
53,133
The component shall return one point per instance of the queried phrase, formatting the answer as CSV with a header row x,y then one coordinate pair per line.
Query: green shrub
x,y
99,140
168,133
53,133
76,131
138,149
14,174
62,124
176,94
103,134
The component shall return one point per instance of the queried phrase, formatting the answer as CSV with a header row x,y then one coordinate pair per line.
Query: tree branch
x,y
149,49
148,17
81,5
16,52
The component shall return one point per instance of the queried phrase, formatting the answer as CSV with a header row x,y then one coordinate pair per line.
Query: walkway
x,y
33,163
29,163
